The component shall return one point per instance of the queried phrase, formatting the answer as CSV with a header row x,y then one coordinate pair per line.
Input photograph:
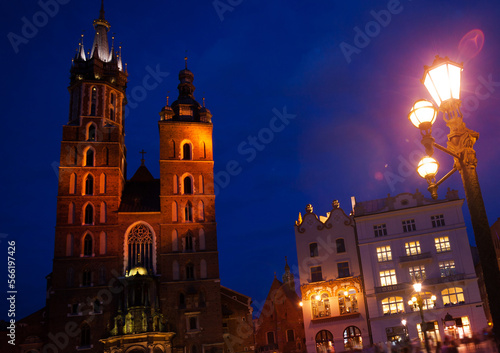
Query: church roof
x,y
141,193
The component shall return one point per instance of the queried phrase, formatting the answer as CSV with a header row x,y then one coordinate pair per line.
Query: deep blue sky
x,y
349,135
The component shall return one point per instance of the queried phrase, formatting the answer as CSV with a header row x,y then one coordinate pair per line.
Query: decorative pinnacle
x,y
186,61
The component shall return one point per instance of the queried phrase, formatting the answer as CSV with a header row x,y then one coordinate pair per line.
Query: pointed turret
x,y
288,277
101,37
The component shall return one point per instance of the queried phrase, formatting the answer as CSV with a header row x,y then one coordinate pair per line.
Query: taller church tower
x,y
135,264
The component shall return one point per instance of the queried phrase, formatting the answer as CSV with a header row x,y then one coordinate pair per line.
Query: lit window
x,y
87,245
320,305
409,225
352,339
437,221
442,244
324,341
112,107
384,253
343,269
413,248
388,278
452,296
316,274
313,249
348,302
392,305
417,273
447,268
380,230
340,245
427,303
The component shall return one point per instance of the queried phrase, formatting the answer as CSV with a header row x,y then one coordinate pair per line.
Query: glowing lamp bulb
x,y
317,297
403,322
427,168
422,114
433,298
442,80
417,287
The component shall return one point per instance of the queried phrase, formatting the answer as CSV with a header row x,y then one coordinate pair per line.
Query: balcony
x,y
403,260
451,278
392,288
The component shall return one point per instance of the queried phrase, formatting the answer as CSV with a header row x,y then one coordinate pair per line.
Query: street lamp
x,y
405,330
417,302
442,80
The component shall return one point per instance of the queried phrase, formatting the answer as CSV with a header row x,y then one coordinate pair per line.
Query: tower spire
x,y
101,37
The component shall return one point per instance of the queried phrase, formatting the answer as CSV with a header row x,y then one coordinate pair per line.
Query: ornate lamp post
x,y
417,302
442,80
405,330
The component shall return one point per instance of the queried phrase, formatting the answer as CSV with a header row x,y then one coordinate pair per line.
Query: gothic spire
x,y
101,37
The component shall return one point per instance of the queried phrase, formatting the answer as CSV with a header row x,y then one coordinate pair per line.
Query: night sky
x,y
341,81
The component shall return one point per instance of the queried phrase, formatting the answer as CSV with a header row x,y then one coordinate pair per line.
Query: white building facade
x,y
330,282
409,239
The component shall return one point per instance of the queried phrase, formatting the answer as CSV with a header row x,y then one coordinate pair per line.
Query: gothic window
x,y
89,158
290,336
188,185
75,155
93,101
174,211
175,270
201,239
175,185
85,336
89,185
203,268
188,212
103,212
182,300
140,247
340,245
89,214
112,107
320,305
91,132
201,186
72,183
189,271
186,151
189,242
175,241
348,302
69,244
87,245
102,183
102,243
71,213
86,278
313,249
201,210
204,150
352,339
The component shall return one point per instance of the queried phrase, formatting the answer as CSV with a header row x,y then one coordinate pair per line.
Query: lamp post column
x,y
423,326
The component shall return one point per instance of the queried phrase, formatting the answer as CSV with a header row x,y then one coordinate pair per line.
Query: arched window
x,y
89,185
452,296
102,183
186,151
140,247
112,107
201,210
175,270
324,341
340,245
188,246
392,305
188,212
71,213
91,132
86,278
89,214
85,336
190,271
352,339
428,303
320,305
201,186
75,155
175,183
348,302
204,149
175,241
203,268
89,158
69,244
103,212
72,183
201,237
87,245
174,211
188,185
93,101
103,243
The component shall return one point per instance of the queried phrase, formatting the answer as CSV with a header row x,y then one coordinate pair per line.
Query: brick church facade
x,y
135,264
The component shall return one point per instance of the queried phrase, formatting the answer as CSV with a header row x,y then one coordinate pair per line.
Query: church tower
x,y
188,254
91,179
